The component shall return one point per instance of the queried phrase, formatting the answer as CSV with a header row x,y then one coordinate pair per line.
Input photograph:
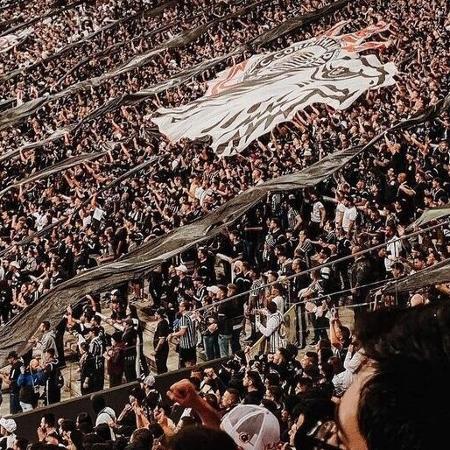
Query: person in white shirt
x,y
277,298
393,248
349,216
352,363
318,214
272,329
339,211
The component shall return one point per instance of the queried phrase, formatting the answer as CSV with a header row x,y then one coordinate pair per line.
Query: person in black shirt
x,y
237,248
97,349
129,338
5,301
118,312
343,246
254,388
420,186
236,316
200,292
52,378
210,335
225,314
410,169
184,286
229,400
65,252
375,196
390,187
273,237
160,341
406,194
87,369
254,232
437,190
10,380
242,278
205,267
397,159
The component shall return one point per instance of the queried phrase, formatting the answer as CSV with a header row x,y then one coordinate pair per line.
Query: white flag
x,y
251,98
11,40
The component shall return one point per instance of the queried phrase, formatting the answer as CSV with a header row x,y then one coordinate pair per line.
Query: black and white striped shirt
x,y
189,339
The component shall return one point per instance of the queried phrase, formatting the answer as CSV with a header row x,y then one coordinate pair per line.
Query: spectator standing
x,y
96,350
187,336
392,250
115,360
87,370
160,341
350,215
272,330
52,378
48,339
129,338
211,334
225,313
10,380
29,381
318,214
254,388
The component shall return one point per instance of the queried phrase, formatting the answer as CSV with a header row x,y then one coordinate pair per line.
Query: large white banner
x,y
251,98
11,40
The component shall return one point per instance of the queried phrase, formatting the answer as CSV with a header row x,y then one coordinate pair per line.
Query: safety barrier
x,y
116,398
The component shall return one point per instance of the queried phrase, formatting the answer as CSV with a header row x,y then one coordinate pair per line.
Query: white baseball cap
x,y
213,289
252,427
149,380
181,268
8,424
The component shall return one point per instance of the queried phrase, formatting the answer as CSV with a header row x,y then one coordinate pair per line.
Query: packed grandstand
x,y
248,200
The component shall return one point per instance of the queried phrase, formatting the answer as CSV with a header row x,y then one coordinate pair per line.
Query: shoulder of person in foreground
x,y
402,393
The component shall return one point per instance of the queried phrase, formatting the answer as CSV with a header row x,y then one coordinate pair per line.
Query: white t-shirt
x,y
98,214
394,247
315,214
343,380
340,209
350,215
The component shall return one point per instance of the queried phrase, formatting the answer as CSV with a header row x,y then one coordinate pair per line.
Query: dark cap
x,y
117,336
161,312
12,354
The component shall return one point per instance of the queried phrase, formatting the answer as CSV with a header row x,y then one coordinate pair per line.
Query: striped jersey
x,y
189,339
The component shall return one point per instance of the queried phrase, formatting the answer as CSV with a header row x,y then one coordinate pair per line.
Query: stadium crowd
x,y
369,202
279,402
